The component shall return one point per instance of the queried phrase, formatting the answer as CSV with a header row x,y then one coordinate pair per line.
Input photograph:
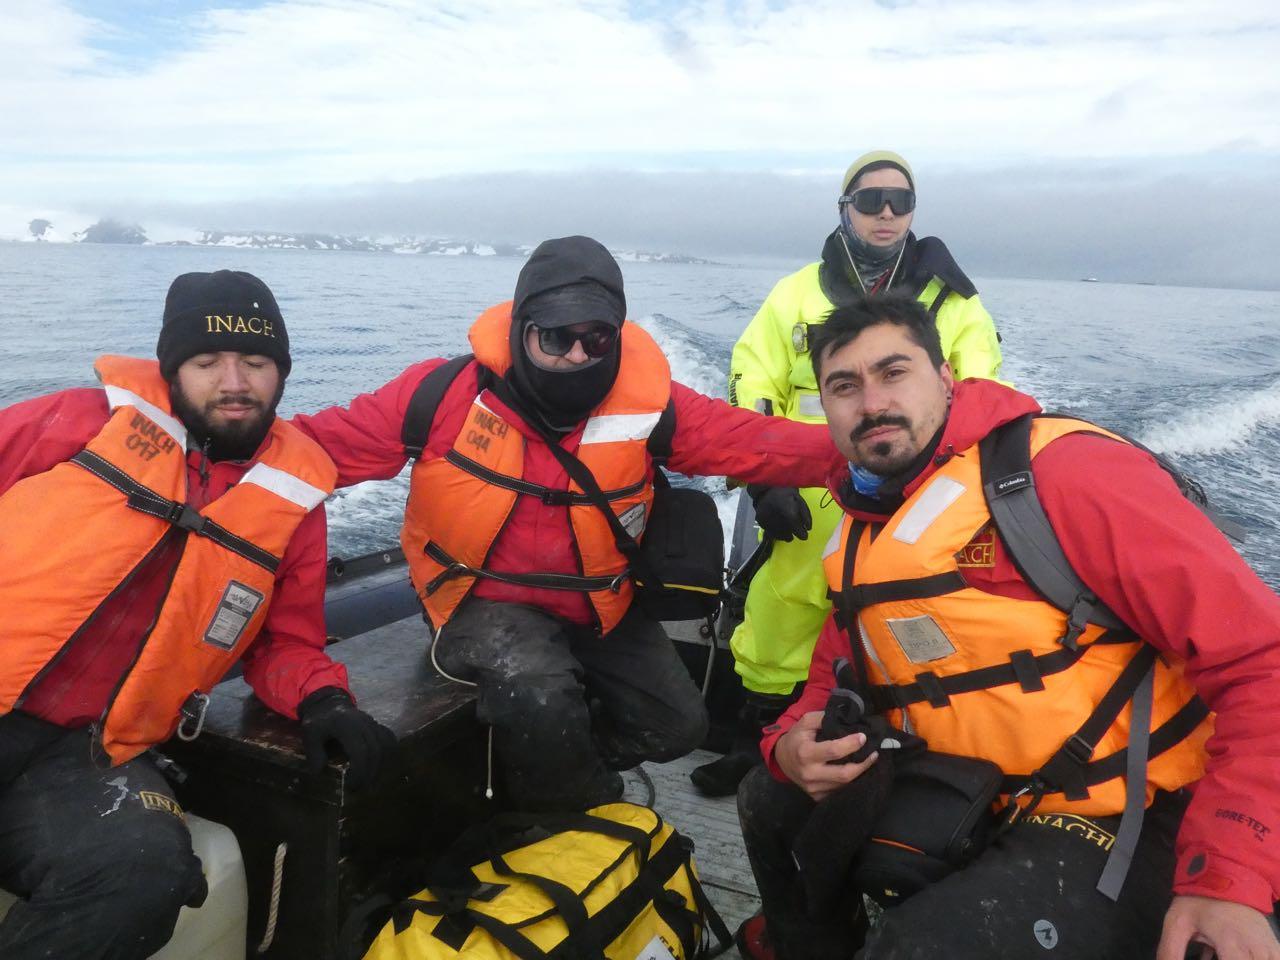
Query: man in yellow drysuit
x,y
872,251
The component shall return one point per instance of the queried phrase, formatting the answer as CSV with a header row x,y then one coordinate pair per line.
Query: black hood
x,y
922,260
565,281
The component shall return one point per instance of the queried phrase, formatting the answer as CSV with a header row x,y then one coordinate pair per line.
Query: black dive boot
x,y
720,777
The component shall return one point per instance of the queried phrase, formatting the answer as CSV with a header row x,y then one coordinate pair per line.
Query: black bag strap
x,y
425,401
1065,770
145,500
1135,791
581,474
663,434
1025,531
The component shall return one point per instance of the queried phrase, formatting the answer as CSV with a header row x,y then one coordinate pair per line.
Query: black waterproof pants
x,y
566,706
101,855
1029,895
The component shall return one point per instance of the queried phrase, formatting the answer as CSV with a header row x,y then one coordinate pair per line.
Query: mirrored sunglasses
x,y
871,200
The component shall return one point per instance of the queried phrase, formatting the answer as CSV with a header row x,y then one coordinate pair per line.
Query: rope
x,y
273,912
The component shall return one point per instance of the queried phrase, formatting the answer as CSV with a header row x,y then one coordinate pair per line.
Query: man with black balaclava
x,y
520,574
157,530
872,251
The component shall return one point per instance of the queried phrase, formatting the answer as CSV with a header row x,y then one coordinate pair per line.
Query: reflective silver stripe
x,y
929,506
120,397
481,404
811,405
285,485
874,657
837,538
620,426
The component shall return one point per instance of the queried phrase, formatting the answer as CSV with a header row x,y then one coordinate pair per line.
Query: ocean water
x,y
1193,373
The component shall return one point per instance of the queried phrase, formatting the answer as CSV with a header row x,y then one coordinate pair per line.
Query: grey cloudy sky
x,y
1137,141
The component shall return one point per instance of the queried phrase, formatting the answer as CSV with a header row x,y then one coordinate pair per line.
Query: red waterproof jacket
x,y
1163,568
287,660
711,439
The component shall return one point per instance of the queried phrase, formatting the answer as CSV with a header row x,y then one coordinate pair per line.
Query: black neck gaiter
x,y
559,399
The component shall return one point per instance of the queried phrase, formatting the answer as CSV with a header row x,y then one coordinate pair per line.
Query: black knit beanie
x,y
225,310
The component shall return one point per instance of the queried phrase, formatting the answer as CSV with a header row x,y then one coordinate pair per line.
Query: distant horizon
x,y
784,262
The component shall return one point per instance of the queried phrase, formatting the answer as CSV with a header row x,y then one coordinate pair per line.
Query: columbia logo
x,y
1012,483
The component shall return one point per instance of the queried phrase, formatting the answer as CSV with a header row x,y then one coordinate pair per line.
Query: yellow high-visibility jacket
x,y
771,372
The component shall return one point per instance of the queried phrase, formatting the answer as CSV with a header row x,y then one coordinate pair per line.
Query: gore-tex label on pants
x,y
235,610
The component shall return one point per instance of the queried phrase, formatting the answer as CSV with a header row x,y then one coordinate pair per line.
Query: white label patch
x,y
633,520
1046,934
656,949
921,639
235,609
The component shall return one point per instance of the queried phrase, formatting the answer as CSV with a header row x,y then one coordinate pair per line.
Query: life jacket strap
x,y
548,495
1023,668
545,581
145,500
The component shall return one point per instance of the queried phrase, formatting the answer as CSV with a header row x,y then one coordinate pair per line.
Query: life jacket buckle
x,y
193,711
181,515
1078,620
615,585
557,498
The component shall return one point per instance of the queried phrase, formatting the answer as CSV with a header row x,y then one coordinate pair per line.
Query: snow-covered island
x,y
109,230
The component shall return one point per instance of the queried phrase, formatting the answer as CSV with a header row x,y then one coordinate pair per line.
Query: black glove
x,y
781,512
329,716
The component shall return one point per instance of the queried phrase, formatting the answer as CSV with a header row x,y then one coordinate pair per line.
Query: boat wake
x,y
1226,424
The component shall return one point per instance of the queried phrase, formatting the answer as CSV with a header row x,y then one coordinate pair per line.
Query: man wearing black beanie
x,y
192,521
521,575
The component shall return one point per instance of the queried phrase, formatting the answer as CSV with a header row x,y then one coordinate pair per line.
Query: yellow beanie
x,y
876,157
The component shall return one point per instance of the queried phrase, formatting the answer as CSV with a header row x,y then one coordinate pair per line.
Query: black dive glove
x,y
329,716
781,512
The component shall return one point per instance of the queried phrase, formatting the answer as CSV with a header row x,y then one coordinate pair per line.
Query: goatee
x,y
230,439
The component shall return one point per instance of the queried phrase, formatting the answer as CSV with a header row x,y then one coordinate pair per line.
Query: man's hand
x,y
329,716
781,512
808,762
1234,931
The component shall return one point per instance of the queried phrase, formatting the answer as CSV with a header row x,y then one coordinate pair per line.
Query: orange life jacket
x,y
74,534
458,504
926,634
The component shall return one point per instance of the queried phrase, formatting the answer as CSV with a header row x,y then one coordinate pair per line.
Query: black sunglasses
x,y
596,341
871,200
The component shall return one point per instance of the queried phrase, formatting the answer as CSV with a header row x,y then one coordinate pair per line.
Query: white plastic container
x,y
216,931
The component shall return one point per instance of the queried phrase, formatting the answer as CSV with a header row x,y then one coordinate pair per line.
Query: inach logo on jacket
x,y
230,324
980,551
235,610
148,440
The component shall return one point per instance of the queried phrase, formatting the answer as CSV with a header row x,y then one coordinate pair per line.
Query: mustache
x,y
867,424
238,400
